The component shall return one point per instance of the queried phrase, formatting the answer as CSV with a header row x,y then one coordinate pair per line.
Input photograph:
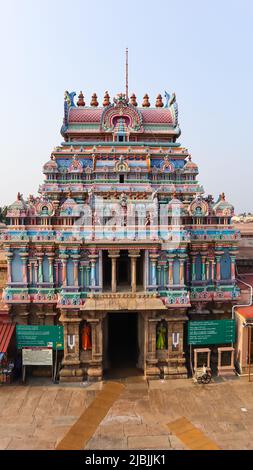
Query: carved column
x,y
76,268
203,267
218,258
56,267
153,255
233,267
95,369
36,267
212,270
64,270
40,272
193,267
207,269
187,271
181,271
170,271
152,371
51,272
133,256
93,259
24,257
114,255
9,262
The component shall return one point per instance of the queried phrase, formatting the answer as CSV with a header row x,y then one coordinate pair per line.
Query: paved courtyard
x,y
38,415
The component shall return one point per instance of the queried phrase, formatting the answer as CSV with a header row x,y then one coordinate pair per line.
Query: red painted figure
x,y
86,341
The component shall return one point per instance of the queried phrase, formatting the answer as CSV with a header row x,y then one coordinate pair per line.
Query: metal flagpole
x,y
127,72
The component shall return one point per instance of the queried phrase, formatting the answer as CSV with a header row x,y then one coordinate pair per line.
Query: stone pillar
x,y
88,276
36,267
40,272
187,271
203,267
181,271
159,271
165,275
193,267
71,371
64,270
51,272
153,255
56,266
133,256
218,258
9,261
95,369
212,269
93,259
207,270
81,268
152,371
114,255
170,271
24,267
76,268
232,267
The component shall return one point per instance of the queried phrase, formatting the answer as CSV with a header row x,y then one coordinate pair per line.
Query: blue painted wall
x,y
225,266
198,268
16,267
176,271
70,272
45,268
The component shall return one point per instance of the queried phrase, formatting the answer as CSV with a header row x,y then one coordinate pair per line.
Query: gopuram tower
x,y
121,246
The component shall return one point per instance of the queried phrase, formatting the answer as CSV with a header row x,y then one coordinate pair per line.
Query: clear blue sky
x,y
201,49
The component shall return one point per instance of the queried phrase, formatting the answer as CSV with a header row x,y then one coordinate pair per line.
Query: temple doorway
x,y
122,344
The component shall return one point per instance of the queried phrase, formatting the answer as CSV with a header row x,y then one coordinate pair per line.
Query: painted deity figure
x,y
161,341
86,337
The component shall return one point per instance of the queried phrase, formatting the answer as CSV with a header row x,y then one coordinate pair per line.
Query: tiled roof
x,y
90,114
156,116
85,114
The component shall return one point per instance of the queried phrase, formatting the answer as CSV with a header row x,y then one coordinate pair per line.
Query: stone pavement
x,y
37,416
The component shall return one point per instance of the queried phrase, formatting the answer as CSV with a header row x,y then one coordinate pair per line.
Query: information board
x,y
37,356
39,336
211,332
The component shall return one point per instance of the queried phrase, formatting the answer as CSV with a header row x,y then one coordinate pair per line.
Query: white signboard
x,y
37,356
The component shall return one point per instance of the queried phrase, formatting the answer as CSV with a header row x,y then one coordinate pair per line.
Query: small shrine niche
x,y
162,336
85,336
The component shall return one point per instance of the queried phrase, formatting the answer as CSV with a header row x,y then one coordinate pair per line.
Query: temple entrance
x,y
122,345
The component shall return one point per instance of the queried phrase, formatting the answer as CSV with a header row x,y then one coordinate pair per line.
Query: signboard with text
x,y
39,336
37,356
211,332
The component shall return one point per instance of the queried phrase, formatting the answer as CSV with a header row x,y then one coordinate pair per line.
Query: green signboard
x,y
39,336
211,332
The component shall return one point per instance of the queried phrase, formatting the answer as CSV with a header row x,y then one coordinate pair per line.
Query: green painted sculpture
x,y
160,342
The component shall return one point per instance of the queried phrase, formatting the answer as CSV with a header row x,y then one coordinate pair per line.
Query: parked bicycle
x,y
202,375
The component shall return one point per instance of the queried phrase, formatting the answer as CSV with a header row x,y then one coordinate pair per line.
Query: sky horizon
x,y
200,50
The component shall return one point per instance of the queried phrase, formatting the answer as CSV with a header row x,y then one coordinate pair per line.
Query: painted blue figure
x,y
167,96
69,98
